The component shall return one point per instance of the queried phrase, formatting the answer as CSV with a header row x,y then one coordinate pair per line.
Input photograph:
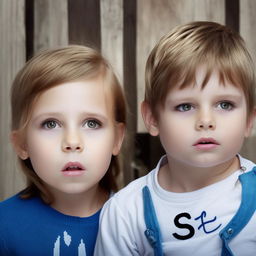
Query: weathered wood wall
x,y
125,31
12,58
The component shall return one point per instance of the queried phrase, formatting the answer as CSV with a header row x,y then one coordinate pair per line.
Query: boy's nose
x,y
205,122
72,142
202,125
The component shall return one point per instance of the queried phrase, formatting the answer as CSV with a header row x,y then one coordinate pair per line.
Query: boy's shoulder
x,y
132,193
246,164
134,188
128,200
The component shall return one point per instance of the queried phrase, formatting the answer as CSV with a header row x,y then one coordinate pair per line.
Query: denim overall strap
x,y
244,213
152,233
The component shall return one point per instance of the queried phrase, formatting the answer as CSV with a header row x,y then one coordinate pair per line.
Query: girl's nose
x,y
72,142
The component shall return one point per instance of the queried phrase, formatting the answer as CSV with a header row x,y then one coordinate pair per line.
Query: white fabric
x,y
122,223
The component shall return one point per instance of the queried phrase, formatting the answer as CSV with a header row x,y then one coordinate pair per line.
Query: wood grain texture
x,y
112,33
232,10
155,18
12,58
130,87
247,25
50,24
84,22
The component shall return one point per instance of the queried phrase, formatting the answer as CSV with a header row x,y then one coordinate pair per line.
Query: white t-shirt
x,y
189,222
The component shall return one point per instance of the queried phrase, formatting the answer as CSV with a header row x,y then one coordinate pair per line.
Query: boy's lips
x,y
73,169
206,143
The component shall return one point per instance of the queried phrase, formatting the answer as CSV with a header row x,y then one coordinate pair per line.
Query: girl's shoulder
x,y
11,203
15,208
16,202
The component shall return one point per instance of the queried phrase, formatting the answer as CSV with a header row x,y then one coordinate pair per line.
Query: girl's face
x,y
72,135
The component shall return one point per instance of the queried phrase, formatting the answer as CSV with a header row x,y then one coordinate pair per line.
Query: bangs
x,y
226,73
232,68
174,61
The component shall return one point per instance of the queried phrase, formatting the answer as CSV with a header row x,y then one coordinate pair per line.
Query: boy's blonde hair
x,y
49,69
175,58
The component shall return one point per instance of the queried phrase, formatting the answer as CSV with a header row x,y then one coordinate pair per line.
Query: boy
x,y
199,100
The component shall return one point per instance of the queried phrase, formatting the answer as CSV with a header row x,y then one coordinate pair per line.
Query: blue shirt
x,y
31,227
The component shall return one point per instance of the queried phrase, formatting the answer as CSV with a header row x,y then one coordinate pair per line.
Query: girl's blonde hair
x,y
175,58
49,69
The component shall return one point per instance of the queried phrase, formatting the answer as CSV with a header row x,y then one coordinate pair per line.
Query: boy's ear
x,y
19,145
149,119
120,131
250,123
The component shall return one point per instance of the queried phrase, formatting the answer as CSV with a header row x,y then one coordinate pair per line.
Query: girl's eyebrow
x,y
46,115
61,115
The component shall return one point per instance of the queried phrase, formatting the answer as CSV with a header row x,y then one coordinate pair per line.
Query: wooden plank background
x,y
125,31
12,58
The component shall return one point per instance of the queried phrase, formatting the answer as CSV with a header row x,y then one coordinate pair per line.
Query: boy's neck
x,y
80,205
178,177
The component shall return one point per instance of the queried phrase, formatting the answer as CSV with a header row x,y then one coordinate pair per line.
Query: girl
x,y
68,119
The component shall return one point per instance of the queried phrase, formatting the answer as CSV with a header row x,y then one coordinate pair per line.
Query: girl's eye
x,y
92,124
50,124
184,107
226,105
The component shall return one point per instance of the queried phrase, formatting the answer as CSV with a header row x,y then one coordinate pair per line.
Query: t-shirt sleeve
x,y
115,235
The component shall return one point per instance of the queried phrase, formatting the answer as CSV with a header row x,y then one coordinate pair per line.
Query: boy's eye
x,y
184,107
92,124
50,124
226,105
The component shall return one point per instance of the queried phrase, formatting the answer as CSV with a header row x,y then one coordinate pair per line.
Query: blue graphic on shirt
x,y
204,224
67,241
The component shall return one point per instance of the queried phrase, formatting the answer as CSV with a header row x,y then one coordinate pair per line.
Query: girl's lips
x,y
73,166
73,169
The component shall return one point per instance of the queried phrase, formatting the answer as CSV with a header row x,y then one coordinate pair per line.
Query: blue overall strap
x,y
244,213
152,233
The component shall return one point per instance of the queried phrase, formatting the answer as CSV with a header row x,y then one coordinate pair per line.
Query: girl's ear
x,y
149,119
120,131
19,145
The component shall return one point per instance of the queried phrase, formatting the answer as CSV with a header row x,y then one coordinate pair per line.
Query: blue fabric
x,y
152,232
244,213
30,227
237,223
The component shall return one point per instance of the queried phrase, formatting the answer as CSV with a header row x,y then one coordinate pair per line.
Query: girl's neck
x,y
80,205
180,178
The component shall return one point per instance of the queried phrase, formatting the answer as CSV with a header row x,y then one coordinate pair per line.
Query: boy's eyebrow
x,y
178,97
228,96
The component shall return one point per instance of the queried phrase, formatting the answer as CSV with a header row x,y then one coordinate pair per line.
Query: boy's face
x,y
203,127
72,135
